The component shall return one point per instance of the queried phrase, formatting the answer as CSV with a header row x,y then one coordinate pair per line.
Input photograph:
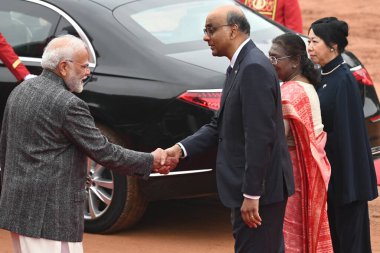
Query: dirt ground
x,y
202,225
186,226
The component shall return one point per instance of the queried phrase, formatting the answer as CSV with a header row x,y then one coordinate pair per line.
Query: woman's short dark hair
x,y
234,17
331,31
295,47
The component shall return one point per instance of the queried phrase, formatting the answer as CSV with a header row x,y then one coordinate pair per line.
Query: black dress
x,y
353,178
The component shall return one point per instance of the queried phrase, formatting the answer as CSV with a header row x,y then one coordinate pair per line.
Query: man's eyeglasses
x,y
210,30
83,66
274,60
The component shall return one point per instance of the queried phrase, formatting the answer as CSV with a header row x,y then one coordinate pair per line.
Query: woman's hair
x,y
295,47
331,31
54,54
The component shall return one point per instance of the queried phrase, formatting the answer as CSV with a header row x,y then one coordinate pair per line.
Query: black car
x,y
154,82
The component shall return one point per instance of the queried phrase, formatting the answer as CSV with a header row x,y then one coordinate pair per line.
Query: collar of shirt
x,y
234,57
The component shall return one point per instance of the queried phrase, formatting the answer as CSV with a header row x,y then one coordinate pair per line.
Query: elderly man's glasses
x,y
210,30
274,60
82,66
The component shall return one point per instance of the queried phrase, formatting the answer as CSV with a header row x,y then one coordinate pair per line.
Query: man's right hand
x,y
163,162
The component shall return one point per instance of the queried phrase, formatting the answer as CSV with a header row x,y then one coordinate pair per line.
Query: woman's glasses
x,y
274,60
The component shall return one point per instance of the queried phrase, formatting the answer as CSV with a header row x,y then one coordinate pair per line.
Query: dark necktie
x,y
228,72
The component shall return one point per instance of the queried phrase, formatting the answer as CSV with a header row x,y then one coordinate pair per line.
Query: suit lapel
x,y
230,81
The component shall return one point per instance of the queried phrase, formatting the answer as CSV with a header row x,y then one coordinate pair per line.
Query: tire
x,y
114,201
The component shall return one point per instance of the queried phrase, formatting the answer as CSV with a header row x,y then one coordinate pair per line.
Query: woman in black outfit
x,y
353,178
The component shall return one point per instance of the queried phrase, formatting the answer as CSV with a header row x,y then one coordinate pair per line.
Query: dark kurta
x,y
353,175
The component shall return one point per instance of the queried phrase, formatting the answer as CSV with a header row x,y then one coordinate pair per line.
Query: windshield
x,y
171,22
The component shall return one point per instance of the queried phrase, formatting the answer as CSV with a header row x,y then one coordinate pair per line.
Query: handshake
x,y
166,160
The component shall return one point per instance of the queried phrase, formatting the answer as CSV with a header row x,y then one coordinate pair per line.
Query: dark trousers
x,y
267,238
349,227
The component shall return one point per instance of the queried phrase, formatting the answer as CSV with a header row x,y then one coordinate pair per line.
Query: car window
x,y
184,22
181,22
27,27
64,27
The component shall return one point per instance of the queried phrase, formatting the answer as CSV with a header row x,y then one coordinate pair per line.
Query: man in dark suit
x,y
253,168
46,136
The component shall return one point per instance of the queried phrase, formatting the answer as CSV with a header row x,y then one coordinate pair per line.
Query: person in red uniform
x,y
11,60
285,12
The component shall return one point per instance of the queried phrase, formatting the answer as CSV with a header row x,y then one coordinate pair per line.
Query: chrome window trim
x,y
356,68
38,60
73,23
30,59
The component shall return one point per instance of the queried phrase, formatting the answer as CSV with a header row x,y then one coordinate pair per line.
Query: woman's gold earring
x,y
332,49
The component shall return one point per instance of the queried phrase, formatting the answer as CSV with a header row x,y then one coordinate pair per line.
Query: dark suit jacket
x,y
46,136
252,154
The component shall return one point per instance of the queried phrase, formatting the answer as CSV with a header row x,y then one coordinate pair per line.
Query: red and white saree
x,y
306,227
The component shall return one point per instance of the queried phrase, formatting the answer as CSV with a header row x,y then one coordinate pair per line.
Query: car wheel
x,y
114,201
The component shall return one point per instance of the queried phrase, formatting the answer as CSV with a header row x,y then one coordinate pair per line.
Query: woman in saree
x,y
306,227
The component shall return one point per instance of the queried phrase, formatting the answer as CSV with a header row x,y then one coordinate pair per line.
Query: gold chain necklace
x,y
327,73
293,76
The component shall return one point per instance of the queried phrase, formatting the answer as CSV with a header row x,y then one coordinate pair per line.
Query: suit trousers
x,y
267,238
25,244
349,227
